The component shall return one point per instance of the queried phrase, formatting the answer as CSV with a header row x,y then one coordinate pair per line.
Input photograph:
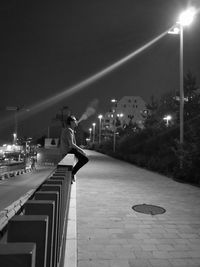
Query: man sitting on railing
x,y
68,145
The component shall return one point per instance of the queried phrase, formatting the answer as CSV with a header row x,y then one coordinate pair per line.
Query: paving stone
x,y
87,255
105,255
148,247
194,254
161,254
165,247
160,263
139,263
144,254
94,263
119,263
179,262
84,263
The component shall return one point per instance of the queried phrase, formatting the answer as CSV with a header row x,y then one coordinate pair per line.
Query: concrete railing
x,y
34,227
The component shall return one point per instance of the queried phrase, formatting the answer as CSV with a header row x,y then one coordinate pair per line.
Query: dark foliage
x,y
157,146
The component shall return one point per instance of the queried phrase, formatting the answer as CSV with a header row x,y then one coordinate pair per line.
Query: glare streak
x,y
79,86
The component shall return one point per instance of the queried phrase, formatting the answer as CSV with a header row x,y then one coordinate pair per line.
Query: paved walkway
x,y
111,234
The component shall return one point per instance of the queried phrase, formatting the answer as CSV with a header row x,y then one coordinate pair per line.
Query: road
x,y
13,188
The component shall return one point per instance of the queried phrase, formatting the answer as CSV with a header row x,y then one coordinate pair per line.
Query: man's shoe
x,y
73,178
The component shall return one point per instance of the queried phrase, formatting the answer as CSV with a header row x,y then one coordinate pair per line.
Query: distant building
x,y
108,121
129,109
133,109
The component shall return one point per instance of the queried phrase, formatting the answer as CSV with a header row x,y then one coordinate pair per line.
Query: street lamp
x,y
120,115
93,124
14,138
90,131
167,118
185,19
100,118
114,101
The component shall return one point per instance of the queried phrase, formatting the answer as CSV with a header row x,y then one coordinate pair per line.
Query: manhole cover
x,y
149,209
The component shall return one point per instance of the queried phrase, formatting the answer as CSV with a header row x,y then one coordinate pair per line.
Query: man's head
x,y
72,121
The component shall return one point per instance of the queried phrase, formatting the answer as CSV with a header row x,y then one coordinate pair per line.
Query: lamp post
x,y
114,101
114,135
185,19
14,138
100,118
167,118
90,131
93,124
114,130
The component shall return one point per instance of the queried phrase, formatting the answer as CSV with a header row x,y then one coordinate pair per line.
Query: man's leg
x,y
82,160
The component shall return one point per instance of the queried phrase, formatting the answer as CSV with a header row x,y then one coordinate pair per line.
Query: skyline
x,y
47,49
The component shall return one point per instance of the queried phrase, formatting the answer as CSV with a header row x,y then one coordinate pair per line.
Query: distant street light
x,y
167,119
120,115
100,118
14,138
93,124
114,101
90,131
185,19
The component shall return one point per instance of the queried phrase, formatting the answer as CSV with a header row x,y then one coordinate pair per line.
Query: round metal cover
x,y
149,209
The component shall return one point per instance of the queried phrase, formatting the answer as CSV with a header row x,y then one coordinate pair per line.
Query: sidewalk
x,y
111,234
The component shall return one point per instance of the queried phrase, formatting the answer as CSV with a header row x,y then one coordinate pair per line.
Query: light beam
x,y
81,85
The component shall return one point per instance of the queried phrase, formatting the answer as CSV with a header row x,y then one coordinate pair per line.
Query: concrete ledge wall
x,y
38,222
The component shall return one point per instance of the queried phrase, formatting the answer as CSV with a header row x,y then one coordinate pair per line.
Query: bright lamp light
x,y
167,117
187,17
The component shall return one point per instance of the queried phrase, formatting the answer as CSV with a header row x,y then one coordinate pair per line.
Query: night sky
x,y
48,46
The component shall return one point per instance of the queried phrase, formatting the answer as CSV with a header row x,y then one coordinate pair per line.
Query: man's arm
x,y
73,145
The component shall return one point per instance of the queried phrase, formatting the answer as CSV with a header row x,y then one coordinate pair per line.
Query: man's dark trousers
x,y
82,160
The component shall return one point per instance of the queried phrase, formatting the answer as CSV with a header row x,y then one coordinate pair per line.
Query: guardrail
x,y
17,168
34,227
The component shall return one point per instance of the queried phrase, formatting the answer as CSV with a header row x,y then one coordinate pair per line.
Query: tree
x,y
158,110
190,86
192,97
